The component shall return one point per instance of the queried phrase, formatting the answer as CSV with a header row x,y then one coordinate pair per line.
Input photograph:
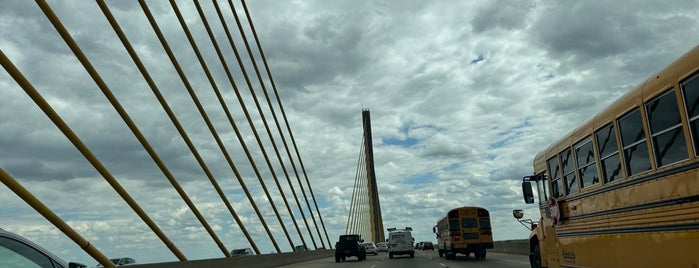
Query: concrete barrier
x,y
258,261
520,246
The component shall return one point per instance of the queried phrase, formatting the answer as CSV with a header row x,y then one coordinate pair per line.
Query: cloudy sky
x,y
462,95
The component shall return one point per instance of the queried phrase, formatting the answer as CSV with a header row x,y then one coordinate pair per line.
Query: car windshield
x,y
239,251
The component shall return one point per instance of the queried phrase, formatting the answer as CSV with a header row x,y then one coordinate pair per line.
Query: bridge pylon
x,y
365,209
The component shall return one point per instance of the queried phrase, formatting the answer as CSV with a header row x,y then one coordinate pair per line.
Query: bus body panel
x,y
646,219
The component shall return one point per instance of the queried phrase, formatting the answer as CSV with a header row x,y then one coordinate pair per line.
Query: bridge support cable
x,y
358,219
350,228
75,140
291,135
35,203
218,93
173,119
192,94
72,137
276,121
129,122
139,135
264,121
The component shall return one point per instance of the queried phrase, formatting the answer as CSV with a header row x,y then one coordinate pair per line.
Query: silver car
x,y
370,248
17,251
121,262
381,247
242,252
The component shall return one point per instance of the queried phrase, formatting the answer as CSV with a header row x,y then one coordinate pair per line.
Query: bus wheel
x,y
536,259
441,254
480,255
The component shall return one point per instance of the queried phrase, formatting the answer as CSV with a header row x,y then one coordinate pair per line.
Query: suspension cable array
x,y
284,161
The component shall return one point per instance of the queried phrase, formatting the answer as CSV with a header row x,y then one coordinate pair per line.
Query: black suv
x,y
349,246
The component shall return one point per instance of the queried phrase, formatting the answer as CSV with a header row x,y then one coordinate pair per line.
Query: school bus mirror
x,y
527,192
518,214
434,229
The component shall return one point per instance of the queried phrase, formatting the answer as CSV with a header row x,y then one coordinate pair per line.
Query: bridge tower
x,y
374,205
365,209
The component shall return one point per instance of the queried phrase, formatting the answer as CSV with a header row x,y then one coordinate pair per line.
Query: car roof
x,y
23,240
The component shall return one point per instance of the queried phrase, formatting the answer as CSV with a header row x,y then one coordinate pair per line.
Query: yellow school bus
x,y
622,189
464,230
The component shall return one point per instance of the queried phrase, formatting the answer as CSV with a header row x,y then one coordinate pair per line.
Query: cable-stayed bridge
x,y
217,67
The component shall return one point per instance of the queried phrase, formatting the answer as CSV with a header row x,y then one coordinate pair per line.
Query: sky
x,y
462,95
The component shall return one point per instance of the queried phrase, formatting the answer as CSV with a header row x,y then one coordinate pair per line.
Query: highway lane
x,y
422,259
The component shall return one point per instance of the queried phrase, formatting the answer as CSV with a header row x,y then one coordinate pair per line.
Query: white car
x,y
381,247
17,251
370,248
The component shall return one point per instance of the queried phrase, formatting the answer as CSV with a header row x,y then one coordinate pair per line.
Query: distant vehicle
x,y
242,252
17,251
370,248
300,248
349,246
418,245
464,230
400,242
121,262
381,247
427,245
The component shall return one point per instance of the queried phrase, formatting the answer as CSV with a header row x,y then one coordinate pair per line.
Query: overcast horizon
x,y
462,95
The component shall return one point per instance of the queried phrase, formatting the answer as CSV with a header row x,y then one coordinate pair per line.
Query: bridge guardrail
x,y
520,246
257,261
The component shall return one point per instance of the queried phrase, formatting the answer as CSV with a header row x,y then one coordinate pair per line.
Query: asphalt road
x,y
428,259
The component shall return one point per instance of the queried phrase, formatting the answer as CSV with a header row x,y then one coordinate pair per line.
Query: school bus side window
x,y
609,154
633,140
569,172
545,186
556,185
690,91
587,165
666,129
